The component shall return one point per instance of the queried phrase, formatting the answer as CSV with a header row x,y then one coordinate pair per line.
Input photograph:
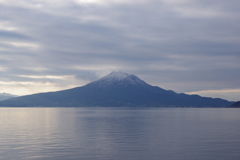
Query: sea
x,y
119,133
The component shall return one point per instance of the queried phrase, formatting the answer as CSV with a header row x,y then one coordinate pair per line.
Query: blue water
x,y
119,134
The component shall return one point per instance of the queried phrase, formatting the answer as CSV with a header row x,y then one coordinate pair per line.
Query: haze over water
x,y
120,133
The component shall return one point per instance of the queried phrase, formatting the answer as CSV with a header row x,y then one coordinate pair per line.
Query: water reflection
x,y
119,133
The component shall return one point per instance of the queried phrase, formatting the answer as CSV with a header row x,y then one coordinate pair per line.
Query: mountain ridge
x,y
5,96
116,89
235,105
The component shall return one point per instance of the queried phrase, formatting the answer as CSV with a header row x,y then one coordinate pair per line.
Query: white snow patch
x,y
120,78
116,76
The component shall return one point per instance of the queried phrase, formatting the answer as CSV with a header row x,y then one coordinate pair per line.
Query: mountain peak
x,y
115,89
118,78
116,75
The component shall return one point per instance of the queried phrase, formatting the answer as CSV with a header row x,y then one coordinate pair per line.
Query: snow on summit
x,y
116,76
119,78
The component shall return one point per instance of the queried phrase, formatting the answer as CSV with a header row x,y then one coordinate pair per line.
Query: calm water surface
x,y
119,134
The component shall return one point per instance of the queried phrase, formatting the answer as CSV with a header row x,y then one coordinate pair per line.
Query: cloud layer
x,y
182,45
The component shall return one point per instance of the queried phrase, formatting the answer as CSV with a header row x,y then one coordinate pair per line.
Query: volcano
x,y
116,89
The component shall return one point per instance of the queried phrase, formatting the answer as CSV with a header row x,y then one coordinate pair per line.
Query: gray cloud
x,y
186,46
12,35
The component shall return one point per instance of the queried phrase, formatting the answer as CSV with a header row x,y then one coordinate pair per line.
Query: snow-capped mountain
x,y
116,89
118,78
115,76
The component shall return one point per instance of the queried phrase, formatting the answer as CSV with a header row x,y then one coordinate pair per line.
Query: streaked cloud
x,y
230,94
45,77
183,45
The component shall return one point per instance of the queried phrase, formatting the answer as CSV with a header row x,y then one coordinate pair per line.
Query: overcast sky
x,y
190,46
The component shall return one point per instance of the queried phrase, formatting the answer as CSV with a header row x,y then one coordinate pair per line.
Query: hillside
x,y
235,105
5,96
115,90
